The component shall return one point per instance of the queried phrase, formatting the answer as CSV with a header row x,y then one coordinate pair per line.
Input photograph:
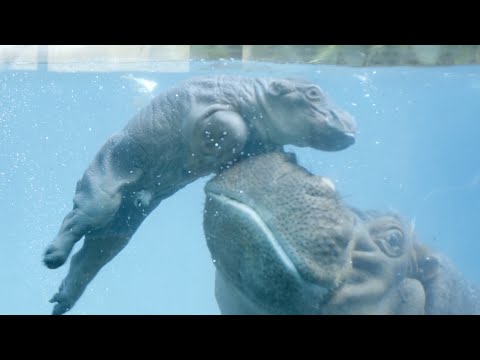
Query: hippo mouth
x,y
269,256
333,140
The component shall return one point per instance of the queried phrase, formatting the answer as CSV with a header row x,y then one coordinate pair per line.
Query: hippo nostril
x,y
363,244
334,117
333,114
343,122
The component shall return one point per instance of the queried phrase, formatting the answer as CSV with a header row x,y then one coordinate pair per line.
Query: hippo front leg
x,y
217,139
99,248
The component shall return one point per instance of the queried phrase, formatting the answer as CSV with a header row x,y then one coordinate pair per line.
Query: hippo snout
x,y
340,131
330,129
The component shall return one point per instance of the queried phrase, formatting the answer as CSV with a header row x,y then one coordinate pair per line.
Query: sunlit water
x,y
416,153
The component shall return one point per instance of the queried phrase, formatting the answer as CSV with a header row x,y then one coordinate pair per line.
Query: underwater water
x,y
416,154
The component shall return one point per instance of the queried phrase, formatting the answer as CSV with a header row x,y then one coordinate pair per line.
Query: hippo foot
x,y
63,301
55,256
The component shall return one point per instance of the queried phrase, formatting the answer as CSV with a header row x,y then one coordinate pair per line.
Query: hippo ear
x,y
280,87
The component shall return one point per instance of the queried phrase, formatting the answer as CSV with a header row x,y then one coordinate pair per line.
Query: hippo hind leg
x,y
78,222
98,196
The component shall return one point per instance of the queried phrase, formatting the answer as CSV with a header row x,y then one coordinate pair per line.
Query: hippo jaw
x,y
294,287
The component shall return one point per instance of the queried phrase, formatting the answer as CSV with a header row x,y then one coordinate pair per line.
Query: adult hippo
x,y
194,129
283,242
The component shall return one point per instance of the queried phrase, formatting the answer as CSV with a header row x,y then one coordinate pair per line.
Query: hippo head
x,y
283,242
301,114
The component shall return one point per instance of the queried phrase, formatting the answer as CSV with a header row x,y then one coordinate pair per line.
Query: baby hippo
x,y
197,128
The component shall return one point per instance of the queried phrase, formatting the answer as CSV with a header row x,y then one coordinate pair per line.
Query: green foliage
x,y
348,55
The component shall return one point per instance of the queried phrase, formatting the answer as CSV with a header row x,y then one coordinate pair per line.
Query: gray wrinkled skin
x,y
199,127
283,242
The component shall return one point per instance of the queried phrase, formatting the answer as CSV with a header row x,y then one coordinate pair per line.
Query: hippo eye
x,y
392,242
314,94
